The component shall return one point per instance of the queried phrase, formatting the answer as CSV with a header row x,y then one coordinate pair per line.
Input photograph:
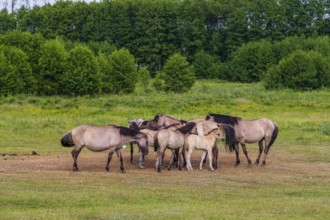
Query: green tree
x,y
51,63
179,76
123,72
7,21
82,75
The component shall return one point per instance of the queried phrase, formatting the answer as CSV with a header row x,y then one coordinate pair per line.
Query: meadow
x,y
295,184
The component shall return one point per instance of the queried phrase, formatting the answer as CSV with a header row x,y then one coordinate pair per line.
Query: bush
x,y
179,76
82,75
207,66
122,74
250,62
300,71
15,72
51,65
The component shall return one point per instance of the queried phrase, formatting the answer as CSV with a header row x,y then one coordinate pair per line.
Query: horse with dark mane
x,y
101,138
262,130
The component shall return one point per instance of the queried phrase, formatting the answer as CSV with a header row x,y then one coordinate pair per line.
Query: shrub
x,y
179,76
300,71
51,66
15,72
122,74
250,62
82,75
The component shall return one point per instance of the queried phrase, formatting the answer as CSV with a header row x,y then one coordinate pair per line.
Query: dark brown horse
x,y
100,138
262,130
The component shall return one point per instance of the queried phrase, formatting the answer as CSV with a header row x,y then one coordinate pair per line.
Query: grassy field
x,y
295,184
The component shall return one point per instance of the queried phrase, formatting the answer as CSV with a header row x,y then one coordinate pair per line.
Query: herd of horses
x,y
180,136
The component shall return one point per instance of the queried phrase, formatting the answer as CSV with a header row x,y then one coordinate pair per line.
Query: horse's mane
x,y
127,131
226,119
187,128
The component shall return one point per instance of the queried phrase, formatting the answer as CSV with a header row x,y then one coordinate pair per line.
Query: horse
x,y
101,138
263,131
173,139
205,143
203,127
161,120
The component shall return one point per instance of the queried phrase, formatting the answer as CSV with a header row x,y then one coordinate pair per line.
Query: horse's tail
x,y
230,136
274,135
156,143
66,140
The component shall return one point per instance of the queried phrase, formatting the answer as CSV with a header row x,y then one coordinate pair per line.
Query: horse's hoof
x,y
263,163
249,165
123,171
141,167
74,169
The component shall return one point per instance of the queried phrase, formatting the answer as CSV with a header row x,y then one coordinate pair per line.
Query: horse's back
x,y
95,138
255,130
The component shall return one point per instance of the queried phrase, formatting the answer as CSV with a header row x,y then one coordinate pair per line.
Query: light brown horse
x,y
173,139
161,121
262,130
101,138
205,143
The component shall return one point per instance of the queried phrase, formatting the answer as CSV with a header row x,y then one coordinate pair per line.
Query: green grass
x,y
294,185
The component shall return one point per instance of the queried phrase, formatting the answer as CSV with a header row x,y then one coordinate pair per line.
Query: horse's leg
x,y
210,158
246,154
159,161
237,155
215,152
107,167
172,159
75,154
203,158
141,161
131,152
120,157
204,161
179,155
261,148
187,155
267,140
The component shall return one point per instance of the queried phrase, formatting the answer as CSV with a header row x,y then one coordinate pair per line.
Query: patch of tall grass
x,y
37,123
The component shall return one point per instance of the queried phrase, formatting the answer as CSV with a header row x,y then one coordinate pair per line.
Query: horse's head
x,y
133,125
143,143
219,134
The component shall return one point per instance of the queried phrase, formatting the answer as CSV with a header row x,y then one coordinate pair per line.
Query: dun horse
x,y
162,121
262,130
173,139
101,138
205,143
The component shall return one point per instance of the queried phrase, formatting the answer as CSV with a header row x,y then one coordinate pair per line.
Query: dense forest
x,y
284,43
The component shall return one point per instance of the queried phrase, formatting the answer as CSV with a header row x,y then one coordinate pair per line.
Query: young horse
x,y
162,120
259,130
203,127
173,139
205,143
100,138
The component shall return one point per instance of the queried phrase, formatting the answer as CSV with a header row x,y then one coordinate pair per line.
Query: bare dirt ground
x,y
281,165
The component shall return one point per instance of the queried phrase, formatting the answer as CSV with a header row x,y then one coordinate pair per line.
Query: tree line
x,y
246,41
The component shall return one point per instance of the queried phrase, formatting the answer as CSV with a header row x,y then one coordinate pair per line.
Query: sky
x,y
31,3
